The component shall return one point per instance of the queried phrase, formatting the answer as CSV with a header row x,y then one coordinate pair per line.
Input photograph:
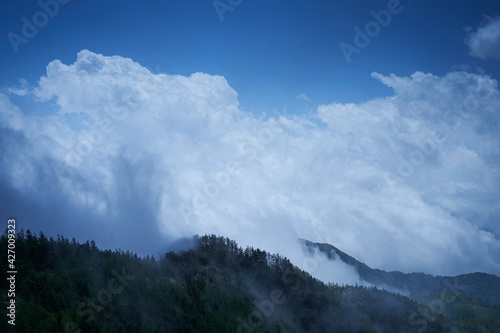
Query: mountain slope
x,y
461,299
214,287
484,287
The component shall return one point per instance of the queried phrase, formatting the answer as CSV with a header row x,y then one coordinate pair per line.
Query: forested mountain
x,y
484,287
465,297
216,286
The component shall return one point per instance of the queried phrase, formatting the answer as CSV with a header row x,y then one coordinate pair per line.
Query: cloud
x,y
21,90
305,98
406,182
484,42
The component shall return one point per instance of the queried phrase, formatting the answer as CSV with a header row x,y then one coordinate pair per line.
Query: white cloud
x,y
304,97
402,183
20,90
484,42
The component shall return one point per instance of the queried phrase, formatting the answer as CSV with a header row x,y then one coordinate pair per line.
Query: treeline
x,y
65,286
470,301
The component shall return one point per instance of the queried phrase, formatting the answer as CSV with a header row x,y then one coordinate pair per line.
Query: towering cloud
x,y
407,182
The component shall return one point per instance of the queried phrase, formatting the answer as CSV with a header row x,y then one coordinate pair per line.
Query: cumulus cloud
x,y
484,42
407,182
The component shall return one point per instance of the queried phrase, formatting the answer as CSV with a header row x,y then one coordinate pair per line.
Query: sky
x,y
369,125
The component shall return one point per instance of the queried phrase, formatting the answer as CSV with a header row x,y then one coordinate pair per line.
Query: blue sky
x,y
137,123
270,52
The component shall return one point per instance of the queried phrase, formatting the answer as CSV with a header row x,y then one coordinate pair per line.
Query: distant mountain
x,y
455,297
482,286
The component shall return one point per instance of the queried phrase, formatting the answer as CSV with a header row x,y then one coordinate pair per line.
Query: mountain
x,y
455,297
213,286
484,287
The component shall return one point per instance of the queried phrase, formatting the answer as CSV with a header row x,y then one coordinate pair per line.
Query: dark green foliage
x,y
484,287
64,286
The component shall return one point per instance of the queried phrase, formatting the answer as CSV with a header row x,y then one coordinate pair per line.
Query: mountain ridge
x,y
482,286
212,286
